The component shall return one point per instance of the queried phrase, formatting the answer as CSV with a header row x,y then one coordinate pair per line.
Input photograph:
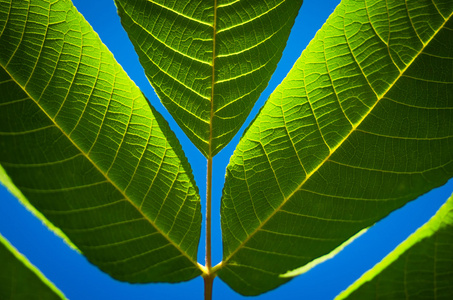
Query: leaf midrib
x,y
211,116
105,175
224,262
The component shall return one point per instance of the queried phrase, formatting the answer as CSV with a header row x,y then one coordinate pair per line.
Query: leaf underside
x,y
82,144
361,125
19,279
208,61
419,268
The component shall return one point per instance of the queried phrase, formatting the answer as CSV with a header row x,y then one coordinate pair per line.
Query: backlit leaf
x,y
419,268
361,125
208,61
19,279
82,144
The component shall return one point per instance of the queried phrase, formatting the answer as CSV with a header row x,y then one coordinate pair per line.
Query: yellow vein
x,y
179,105
329,74
418,106
83,209
176,215
300,236
5,81
429,80
320,218
252,19
292,142
133,257
154,178
180,14
123,139
253,268
241,97
412,22
155,265
406,137
162,42
34,130
310,105
351,198
250,194
384,171
243,74
274,253
40,49
122,242
104,114
227,4
91,92
21,37
64,189
387,43
175,79
214,33
168,193
257,44
437,8
249,72
7,17
103,226
73,79
145,147
33,165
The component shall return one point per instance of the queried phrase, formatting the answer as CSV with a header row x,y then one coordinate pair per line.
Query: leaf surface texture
x,y
19,279
362,124
84,147
208,61
419,268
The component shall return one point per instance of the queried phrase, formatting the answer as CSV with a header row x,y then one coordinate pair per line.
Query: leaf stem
x,y
208,283
209,276
208,216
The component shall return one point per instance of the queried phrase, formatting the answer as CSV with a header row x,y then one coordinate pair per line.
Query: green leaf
x,y
6,182
82,144
19,279
361,125
420,267
209,61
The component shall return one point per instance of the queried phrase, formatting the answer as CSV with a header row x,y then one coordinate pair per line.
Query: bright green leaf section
x,y
19,279
419,268
208,61
361,125
321,259
82,144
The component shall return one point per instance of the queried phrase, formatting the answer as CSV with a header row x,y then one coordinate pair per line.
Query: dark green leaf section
x,y
19,279
82,144
419,268
209,95
361,125
6,182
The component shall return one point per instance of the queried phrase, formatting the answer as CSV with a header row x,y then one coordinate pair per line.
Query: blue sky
x,y
78,279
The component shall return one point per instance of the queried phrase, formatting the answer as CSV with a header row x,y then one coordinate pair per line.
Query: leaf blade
x,y
420,265
9,185
314,163
198,51
83,145
19,279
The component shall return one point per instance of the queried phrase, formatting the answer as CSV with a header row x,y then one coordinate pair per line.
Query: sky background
x,y
78,279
